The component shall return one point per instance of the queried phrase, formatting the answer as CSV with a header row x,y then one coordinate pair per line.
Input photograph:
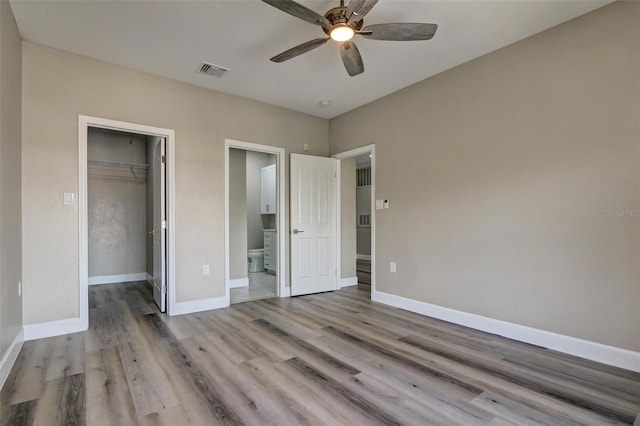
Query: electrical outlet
x,y
394,267
305,147
205,269
19,288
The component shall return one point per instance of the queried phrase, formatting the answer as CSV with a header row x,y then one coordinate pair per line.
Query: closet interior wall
x,y
117,204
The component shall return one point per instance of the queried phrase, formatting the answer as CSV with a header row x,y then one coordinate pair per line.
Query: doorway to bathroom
x,y
254,212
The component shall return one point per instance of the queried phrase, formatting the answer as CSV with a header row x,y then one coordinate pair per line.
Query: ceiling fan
x,y
342,24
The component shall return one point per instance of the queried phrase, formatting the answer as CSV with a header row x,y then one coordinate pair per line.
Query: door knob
x,y
295,231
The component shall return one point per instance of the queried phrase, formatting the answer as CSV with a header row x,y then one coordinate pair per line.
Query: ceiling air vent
x,y
213,70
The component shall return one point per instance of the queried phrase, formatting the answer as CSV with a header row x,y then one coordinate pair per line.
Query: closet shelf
x,y
119,164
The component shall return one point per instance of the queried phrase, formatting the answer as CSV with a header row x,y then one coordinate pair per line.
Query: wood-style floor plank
x,y
324,359
111,402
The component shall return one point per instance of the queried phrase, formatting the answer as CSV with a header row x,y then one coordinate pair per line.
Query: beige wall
x,y
116,204
10,177
348,218
505,177
202,121
238,266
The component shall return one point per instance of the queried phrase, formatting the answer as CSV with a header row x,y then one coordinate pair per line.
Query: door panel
x,y
159,219
313,224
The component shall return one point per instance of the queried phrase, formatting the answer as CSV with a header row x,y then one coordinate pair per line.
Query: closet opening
x,y
127,211
126,217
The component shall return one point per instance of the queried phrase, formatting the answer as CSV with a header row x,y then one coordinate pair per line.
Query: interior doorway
x,y
126,209
357,218
254,222
126,213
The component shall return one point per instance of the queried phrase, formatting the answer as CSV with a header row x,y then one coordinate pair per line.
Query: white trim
x,y
346,282
283,290
611,355
200,305
10,356
122,278
149,278
367,149
84,122
363,257
238,282
42,330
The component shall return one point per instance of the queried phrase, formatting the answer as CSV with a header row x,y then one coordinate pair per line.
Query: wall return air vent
x,y
213,70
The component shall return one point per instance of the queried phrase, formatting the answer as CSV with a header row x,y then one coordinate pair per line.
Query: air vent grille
x,y
213,70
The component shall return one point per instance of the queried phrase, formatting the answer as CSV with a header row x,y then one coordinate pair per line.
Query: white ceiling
x,y
171,38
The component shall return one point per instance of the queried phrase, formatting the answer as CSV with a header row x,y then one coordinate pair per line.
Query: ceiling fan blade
x,y
299,11
299,50
399,32
358,8
351,58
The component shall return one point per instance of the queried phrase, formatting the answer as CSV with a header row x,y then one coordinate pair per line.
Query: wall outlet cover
x,y
394,267
205,270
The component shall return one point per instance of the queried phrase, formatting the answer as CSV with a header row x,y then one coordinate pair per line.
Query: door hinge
x,y
164,224
164,159
164,288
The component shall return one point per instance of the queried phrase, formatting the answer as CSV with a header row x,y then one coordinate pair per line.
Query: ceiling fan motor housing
x,y
338,18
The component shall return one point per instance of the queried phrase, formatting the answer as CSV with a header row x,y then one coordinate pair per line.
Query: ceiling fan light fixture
x,y
342,33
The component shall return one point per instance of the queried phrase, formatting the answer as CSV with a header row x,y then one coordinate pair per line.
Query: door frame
x,y
367,149
282,289
84,123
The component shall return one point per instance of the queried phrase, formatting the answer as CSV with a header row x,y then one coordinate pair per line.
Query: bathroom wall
x,y
348,218
117,204
237,214
255,221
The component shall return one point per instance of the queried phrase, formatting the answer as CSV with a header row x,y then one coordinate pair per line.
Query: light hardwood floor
x,y
333,358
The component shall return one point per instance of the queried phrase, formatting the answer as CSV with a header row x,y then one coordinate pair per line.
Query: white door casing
x,y
313,199
159,224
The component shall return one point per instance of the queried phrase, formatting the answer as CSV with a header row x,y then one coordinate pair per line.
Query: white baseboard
x,y
346,282
109,279
238,282
10,356
611,355
363,257
53,328
192,306
149,278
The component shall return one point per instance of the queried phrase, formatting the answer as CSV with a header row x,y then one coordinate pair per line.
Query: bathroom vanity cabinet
x,y
270,250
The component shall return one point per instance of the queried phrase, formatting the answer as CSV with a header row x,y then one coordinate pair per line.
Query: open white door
x,y
159,224
313,224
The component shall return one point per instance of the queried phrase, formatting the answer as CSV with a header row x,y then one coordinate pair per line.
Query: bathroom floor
x,y
261,286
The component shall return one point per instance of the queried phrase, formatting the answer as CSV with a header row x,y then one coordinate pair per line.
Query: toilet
x,y
256,260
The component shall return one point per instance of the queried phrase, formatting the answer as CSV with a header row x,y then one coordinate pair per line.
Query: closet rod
x,y
119,164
